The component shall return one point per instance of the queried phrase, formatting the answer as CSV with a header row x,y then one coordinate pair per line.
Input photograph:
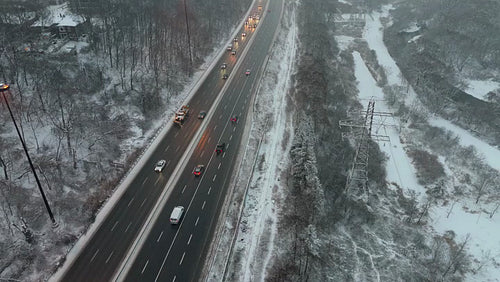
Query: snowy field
x,y
464,217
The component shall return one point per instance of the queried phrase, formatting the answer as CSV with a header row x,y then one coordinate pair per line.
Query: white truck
x,y
181,115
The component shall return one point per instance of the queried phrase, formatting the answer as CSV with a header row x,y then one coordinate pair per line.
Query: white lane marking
x,y
180,262
110,255
219,166
215,127
177,133
159,237
128,226
215,176
130,202
225,106
190,236
114,225
156,182
201,155
178,147
95,254
209,138
144,268
223,155
190,203
220,116
234,128
230,137
227,146
209,189
203,206
173,280
183,189
143,202
145,180
167,148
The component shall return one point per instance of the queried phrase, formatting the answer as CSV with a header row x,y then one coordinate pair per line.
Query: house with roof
x,y
59,21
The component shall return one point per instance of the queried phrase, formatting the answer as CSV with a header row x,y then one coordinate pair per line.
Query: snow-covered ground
x,y
491,154
464,217
469,219
479,88
59,15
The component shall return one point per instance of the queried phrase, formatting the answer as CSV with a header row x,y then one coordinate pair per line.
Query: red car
x,y
220,148
198,170
247,72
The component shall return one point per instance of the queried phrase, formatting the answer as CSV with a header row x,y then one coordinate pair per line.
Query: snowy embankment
x,y
265,158
465,218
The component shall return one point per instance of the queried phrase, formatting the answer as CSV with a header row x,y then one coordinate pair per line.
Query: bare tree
x,y
495,210
458,257
4,166
425,209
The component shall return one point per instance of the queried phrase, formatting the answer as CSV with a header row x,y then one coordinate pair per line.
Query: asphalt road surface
x,y
177,252
202,195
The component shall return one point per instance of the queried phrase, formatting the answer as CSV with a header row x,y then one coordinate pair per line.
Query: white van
x,y
176,215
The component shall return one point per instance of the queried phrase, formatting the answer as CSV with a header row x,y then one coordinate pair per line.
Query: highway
x,y
104,252
177,252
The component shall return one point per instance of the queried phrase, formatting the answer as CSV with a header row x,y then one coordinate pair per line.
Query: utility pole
x,y
5,88
361,131
188,37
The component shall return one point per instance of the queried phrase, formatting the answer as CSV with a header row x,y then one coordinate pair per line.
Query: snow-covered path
x,y
399,168
374,35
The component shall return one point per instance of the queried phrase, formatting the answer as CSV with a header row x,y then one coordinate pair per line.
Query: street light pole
x,y
188,37
4,88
